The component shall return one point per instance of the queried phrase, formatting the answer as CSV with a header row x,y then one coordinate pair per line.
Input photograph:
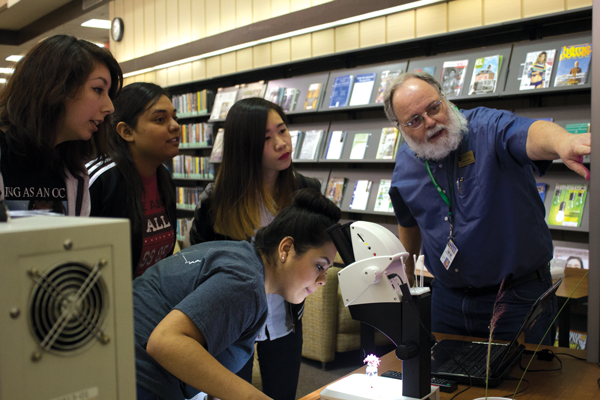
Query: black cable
x,y
511,395
462,391
540,370
571,355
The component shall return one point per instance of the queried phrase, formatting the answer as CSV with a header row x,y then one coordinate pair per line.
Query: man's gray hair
x,y
388,95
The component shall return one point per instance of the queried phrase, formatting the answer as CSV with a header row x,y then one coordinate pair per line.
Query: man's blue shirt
x,y
499,227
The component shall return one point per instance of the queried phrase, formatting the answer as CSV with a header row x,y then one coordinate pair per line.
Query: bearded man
x,y
465,197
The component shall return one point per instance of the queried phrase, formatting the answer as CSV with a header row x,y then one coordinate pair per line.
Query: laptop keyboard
x,y
473,359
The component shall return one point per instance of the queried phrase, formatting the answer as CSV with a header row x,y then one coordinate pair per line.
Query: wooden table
x,y
577,380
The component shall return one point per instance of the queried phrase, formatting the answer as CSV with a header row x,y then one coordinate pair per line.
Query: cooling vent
x,y
67,309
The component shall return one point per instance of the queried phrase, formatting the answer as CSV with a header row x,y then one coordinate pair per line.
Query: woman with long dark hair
x,y
198,312
256,180
53,116
130,180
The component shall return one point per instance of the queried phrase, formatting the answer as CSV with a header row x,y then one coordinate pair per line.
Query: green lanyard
x,y
447,200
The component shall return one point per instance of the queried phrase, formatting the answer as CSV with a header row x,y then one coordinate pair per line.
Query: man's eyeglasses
x,y
417,121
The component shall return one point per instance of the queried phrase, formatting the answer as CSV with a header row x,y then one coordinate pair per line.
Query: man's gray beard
x,y
456,129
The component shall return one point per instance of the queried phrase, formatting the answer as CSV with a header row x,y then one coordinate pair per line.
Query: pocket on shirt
x,y
472,202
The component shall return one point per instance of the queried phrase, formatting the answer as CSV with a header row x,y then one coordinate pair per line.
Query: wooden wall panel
x,y
185,21
161,77
301,47
572,4
149,27
138,28
261,55
243,12
127,81
185,73
243,59
150,77
172,23
299,5
199,70
497,11
281,51
432,20
261,10
139,78
213,66
160,12
532,8
198,20
465,14
372,32
173,75
228,63
115,47
213,17
279,7
128,35
347,37
401,26
228,15
323,42
317,2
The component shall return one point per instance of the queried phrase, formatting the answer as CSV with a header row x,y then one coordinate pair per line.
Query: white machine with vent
x,y
66,317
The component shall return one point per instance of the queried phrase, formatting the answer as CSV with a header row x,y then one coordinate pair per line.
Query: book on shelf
x,y
386,77
429,70
195,135
335,190
335,145
249,90
296,143
573,65
275,95
186,166
216,155
310,145
359,146
383,203
289,99
187,197
360,196
537,69
575,258
312,96
485,75
363,88
568,202
223,102
577,128
183,227
340,91
387,143
541,187
453,77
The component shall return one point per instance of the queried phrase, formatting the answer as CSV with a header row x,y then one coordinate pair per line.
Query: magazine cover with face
x,y
537,70
453,77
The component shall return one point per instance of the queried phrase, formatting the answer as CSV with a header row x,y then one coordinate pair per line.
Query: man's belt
x,y
537,274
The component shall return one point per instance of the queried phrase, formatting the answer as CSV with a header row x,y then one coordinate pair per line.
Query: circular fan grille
x,y
68,306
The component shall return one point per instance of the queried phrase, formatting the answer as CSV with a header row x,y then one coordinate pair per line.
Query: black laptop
x,y
472,356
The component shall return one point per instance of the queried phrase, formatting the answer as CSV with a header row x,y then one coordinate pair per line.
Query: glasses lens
x,y
434,109
415,123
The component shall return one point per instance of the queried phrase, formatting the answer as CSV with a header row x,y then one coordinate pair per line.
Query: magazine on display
x,y
429,70
335,190
249,90
568,202
541,187
485,75
537,70
453,77
340,91
289,99
573,65
360,196
387,144
223,102
312,96
310,145
575,258
363,88
336,145
580,127
275,95
216,155
359,146
383,203
296,143
386,78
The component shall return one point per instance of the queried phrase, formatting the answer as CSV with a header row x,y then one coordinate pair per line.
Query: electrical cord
x,y
540,353
512,394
